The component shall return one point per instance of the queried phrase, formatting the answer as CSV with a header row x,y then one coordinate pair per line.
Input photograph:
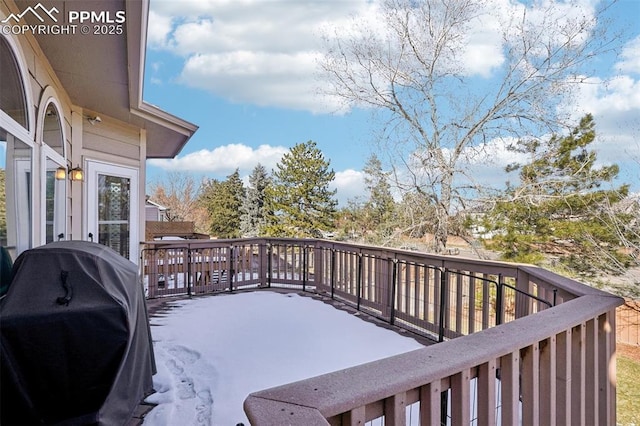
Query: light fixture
x,y
76,174
61,173
94,119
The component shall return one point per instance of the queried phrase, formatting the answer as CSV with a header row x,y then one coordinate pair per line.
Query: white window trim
x,y
90,220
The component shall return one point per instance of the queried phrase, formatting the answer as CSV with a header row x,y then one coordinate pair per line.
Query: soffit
x,y
103,72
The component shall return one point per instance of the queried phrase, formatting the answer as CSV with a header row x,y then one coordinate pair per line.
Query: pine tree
x,y
223,200
380,206
559,207
300,203
253,218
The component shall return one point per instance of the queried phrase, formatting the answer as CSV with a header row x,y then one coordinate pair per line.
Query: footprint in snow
x,y
185,355
184,364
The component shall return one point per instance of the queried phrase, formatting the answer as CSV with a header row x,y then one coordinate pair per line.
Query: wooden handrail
x,y
553,363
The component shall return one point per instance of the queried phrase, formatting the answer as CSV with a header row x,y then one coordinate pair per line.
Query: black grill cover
x,y
75,346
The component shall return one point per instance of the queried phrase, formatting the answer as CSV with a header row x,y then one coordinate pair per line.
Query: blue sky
x,y
244,71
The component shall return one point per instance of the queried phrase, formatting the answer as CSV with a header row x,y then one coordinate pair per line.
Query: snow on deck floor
x,y
212,352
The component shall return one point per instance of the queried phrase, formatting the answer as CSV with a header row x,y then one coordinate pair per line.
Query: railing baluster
x,y
548,388
578,372
460,398
530,387
430,403
355,417
395,410
486,391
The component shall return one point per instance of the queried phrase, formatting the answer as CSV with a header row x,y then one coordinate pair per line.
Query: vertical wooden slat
x,y
592,364
437,279
578,373
395,413
607,363
563,377
530,385
355,417
426,283
430,407
472,305
460,398
487,393
486,304
416,291
407,288
548,382
459,304
522,284
510,380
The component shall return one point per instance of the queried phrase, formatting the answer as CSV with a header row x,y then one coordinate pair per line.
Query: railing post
x,y
499,301
359,280
394,280
333,271
188,271
443,299
230,268
269,266
304,267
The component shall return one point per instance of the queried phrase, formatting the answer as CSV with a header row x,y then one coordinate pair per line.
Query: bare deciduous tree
x,y
179,192
449,76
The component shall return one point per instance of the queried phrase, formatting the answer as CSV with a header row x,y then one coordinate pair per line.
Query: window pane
x,y
113,213
12,98
15,194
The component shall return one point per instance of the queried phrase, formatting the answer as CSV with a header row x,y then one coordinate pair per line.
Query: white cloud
x,y
260,52
265,52
615,106
350,184
630,57
259,78
224,160
158,29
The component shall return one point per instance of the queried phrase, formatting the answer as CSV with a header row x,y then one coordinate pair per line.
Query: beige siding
x,y
109,141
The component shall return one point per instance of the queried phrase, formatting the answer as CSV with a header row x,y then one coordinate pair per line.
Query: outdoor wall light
x,y
61,173
76,174
94,120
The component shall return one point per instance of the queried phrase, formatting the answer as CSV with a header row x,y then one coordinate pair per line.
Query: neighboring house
x,y
71,76
154,212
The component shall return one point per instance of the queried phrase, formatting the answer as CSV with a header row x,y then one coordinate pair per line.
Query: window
x,y
16,156
12,96
54,191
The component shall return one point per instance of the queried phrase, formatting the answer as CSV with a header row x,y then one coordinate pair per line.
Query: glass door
x,y
113,207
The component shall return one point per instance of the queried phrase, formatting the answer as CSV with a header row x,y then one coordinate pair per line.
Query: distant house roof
x,y
112,83
154,204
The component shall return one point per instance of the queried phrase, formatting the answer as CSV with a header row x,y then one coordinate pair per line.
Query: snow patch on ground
x,y
212,352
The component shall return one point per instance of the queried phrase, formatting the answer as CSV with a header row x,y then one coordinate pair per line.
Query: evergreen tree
x,y
560,208
253,218
223,200
300,203
380,206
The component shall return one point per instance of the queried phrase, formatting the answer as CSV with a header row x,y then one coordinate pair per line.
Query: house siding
x,y
110,141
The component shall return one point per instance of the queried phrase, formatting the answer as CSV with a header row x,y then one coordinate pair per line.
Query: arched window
x,y
16,155
52,129
12,97
55,186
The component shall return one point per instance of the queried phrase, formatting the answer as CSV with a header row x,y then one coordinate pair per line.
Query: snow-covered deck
x,y
211,352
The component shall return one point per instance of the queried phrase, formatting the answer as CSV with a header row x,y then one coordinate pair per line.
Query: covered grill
x,y
75,341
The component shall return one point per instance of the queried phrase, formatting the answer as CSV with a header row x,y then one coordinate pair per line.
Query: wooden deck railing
x,y
520,344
